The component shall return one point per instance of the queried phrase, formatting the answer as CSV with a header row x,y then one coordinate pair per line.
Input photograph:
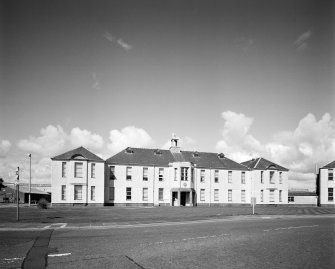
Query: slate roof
x,y
81,151
142,156
330,165
262,164
302,193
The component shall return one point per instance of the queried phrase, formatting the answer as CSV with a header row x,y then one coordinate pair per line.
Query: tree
x,y
2,186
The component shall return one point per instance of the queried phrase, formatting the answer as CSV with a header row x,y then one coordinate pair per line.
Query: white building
x,y
269,181
326,185
139,176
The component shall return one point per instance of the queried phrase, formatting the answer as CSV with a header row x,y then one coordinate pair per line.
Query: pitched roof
x,y
263,164
81,151
329,165
302,193
142,156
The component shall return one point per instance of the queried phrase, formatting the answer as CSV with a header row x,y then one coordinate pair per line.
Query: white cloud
x,y
124,45
301,42
5,146
96,81
129,136
118,41
51,141
86,139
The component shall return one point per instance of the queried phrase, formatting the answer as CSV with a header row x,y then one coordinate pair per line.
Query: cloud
x,y
301,42
86,139
118,41
96,83
5,146
51,141
129,136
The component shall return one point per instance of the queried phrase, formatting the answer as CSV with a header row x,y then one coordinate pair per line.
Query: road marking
x,y
12,259
55,226
291,227
59,255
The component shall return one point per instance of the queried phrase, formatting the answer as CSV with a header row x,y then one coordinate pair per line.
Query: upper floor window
x,y
175,174
280,177
216,176
262,177
230,176
272,178
243,177
63,169
202,175
184,176
161,174
112,172
92,170
192,174
78,169
145,173
128,172
330,174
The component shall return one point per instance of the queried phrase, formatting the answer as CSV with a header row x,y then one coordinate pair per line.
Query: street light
x,y
29,179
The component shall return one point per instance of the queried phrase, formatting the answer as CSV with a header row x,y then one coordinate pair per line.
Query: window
x,y
93,193
128,172
184,174
63,192
63,169
192,174
78,169
128,193
216,195
230,176
280,177
202,195
92,170
262,177
216,176
243,196
161,174
145,173
112,172
330,194
272,180
262,196
330,174
175,174
145,194
243,178
230,195
202,175
111,193
161,194
272,196
291,199
78,192
280,195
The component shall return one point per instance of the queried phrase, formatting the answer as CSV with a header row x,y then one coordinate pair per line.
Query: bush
x,y
42,203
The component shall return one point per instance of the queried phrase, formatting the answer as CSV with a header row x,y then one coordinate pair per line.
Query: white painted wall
x,y
324,185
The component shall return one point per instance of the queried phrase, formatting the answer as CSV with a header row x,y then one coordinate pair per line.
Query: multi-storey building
x,y
269,181
140,176
326,185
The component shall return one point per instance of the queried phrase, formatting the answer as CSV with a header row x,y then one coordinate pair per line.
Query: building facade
x,y
326,185
155,177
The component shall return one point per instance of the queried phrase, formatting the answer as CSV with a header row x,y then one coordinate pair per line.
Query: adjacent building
x,y
326,185
142,176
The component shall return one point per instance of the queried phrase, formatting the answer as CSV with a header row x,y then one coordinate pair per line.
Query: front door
x,y
183,198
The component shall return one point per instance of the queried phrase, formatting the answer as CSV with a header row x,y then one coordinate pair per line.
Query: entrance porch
x,y
182,197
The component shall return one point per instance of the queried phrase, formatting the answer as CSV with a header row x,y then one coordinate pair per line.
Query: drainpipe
x,y
86,182
153,187
210,185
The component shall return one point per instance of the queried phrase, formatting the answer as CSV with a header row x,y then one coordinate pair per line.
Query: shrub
x,y
42,203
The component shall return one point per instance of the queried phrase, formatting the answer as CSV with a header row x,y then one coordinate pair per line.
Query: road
x,y
236,242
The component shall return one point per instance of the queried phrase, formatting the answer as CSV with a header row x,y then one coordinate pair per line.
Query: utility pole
x,y
17,193
29,179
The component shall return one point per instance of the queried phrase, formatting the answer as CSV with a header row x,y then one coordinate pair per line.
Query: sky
x,y
246,78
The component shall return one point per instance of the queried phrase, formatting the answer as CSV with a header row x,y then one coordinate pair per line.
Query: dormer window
x,y
220,155
157,152
196,154
129,150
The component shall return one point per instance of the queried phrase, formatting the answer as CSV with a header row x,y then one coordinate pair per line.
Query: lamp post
x,y
29,179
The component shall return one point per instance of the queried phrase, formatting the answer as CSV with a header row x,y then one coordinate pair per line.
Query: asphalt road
x,y
236,242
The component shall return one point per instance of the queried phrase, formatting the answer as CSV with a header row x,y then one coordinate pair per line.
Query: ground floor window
x,y
161,194
202,195
145,194
280,196
92,193
262,196
272,196
330,194
243,196
63,192
78,192
111,193
216,195
128,193
291,199
230,195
